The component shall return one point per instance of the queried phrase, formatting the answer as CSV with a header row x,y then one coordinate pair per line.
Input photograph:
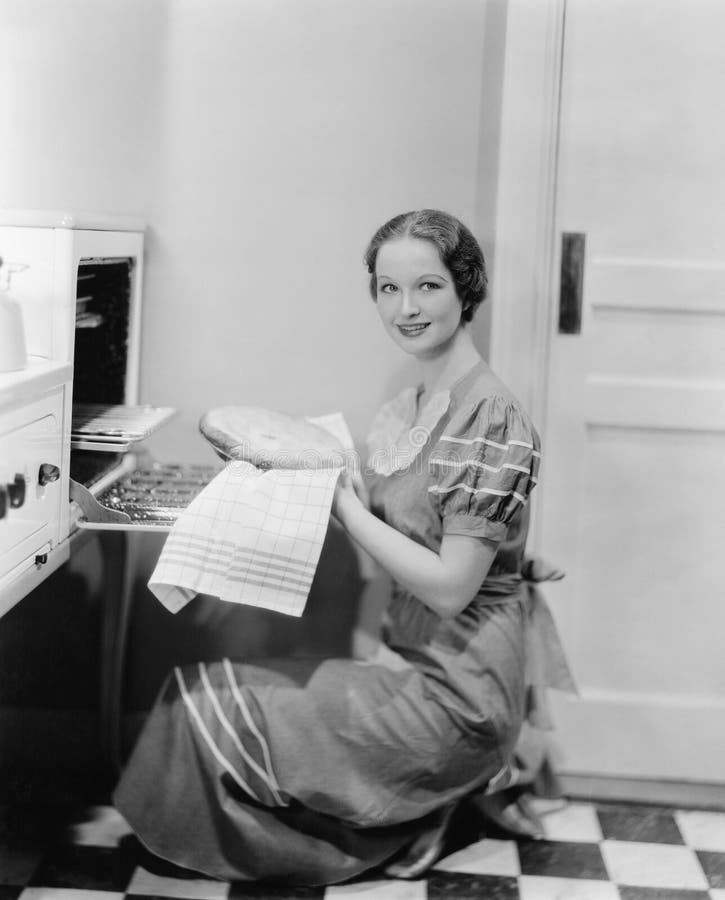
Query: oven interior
x,y
115,485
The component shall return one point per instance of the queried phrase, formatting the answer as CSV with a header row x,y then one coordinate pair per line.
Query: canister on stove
x,y
13,353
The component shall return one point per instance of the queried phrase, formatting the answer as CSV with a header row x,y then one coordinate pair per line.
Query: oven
x,y
71,428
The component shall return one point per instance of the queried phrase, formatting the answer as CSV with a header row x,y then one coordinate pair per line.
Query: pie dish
x,y
268,439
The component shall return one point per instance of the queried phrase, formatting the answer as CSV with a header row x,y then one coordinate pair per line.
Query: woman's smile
x,y
413,330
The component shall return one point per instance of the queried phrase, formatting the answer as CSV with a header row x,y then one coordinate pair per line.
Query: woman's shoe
x,y
513,816
424,851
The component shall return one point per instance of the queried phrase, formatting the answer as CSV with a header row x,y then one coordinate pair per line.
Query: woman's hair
x,y
458,249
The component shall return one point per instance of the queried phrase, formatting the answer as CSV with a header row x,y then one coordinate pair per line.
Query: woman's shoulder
x,y
484,405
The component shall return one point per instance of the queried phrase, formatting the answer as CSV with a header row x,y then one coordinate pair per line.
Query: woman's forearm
x,y
446,583
372,602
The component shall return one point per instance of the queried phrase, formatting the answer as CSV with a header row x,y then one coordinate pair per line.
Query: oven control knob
x,y
16,492
47,473
3,501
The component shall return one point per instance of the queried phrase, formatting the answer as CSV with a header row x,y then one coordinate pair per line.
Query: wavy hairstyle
x,y
458,249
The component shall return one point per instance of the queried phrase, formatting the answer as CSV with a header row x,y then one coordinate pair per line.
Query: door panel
x,y
633,492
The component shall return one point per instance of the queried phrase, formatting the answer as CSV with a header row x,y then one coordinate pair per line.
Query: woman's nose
x,y
408,304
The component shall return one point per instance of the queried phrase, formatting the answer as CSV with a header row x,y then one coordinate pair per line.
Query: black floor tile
x,y
562,859
157,897
645,893
649,825
90,868
241,890
458,886
713,865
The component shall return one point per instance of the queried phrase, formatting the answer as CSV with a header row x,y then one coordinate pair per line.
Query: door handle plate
x,y
571,282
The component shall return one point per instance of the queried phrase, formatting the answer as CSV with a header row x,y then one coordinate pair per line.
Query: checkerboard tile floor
x,y
591,851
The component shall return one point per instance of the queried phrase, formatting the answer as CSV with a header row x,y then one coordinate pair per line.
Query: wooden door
x,y
632,501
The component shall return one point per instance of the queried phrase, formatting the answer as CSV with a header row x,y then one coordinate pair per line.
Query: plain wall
x,y
290,131
80,89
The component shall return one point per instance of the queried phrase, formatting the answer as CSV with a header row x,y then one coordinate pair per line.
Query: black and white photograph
x,y
362,449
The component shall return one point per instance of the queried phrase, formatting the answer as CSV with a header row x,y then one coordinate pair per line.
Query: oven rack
x,y
114,428
150,498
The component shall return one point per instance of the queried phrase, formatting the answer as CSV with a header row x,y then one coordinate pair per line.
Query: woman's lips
x,y
413,330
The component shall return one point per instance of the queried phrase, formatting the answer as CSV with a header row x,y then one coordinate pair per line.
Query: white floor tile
x,y
102,827
47,893
144,882
717,894
543,805
653,865
536,887
702,830
487,857
573,822
378,890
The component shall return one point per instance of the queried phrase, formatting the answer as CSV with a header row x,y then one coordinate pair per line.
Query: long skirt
x,y
297,770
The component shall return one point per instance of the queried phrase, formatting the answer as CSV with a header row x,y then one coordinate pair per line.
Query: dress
x,y
312,771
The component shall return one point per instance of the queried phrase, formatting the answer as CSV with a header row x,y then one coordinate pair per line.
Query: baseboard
x,y
682,794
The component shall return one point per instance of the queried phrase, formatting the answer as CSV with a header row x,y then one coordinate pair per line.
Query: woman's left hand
x,y
346,495
360,489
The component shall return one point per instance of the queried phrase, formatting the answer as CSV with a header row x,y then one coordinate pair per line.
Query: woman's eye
x,y
430,285
387,288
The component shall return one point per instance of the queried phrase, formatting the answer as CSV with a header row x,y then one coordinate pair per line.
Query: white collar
x,y
396,438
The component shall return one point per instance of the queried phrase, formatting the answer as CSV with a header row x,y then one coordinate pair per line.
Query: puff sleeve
x,y
483,468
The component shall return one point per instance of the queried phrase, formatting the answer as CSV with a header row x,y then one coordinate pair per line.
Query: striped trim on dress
x,y
267,778
435,489
197,720
490,443
246,714
459,464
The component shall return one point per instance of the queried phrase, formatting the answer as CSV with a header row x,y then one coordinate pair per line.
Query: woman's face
x,y
416,297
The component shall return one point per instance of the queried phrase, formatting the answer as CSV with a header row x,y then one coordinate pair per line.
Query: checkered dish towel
x,y
250,536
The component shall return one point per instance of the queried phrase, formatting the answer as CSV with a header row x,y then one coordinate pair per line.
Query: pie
x,y
269,440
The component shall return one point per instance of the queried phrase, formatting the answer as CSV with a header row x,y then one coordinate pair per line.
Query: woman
x,y
342,765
